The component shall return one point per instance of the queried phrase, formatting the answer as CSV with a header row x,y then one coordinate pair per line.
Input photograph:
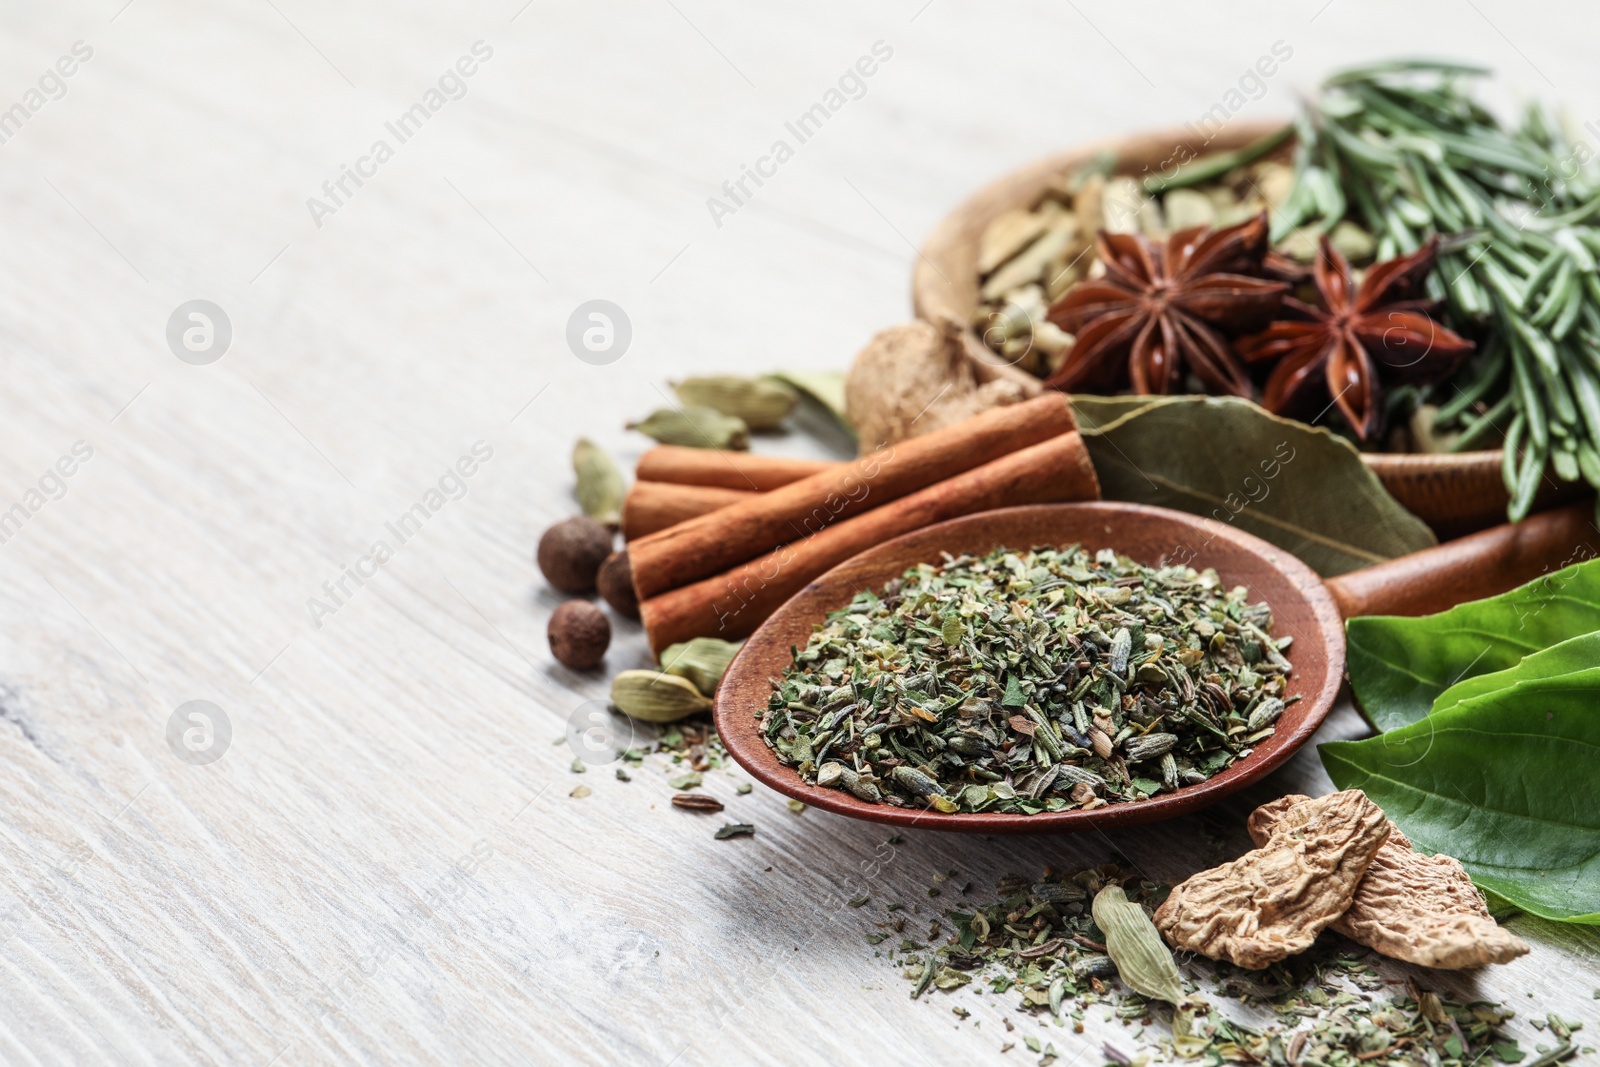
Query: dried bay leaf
x,y
1400,666
1296,486
1506,782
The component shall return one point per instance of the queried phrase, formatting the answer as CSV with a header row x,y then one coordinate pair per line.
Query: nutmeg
x,y
579,635
571,551
615,581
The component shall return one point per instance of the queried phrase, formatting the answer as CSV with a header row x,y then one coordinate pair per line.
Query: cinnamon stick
x,y
653,506
731,605
724,470
1470,568
711,544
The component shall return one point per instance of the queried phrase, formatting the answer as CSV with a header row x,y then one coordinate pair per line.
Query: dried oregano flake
x,y
1037,941
1023,682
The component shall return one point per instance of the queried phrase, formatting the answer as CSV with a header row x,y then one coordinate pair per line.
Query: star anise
x,y
1354,332
1160,308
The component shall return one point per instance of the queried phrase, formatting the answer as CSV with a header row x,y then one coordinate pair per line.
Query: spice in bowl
x,y
1026,682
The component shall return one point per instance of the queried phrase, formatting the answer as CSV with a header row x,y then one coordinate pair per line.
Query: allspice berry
x,y
616,585
579,635
571,551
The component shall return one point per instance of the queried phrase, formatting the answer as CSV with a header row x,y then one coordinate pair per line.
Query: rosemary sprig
x,y
1403,150
1218,163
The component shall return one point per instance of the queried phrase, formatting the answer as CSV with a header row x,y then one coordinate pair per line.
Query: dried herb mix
x,y
1039,940
1023,682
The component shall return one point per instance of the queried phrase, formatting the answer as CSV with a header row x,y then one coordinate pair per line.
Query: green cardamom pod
x,y
822,391
702,661
654,696
763,403
1134,944
695,427
1136,947
600,486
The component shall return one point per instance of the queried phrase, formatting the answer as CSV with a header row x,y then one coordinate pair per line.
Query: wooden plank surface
x,y
386,866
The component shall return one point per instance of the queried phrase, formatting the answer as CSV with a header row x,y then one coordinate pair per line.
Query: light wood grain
x,y
160,913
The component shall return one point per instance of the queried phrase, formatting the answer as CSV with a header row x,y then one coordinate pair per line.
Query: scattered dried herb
x,y
734,829
1038,940
1034,681
693,742
696,802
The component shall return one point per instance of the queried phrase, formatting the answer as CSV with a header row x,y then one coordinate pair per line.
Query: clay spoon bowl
x,y
1303,607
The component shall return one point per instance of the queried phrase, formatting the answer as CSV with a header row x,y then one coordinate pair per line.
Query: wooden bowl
x,y
1301,607
1455,494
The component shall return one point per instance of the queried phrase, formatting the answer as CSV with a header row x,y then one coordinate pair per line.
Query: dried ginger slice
x,y
1421,909
1269,904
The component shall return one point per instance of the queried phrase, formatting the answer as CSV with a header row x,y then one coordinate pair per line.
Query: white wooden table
x,y
385,864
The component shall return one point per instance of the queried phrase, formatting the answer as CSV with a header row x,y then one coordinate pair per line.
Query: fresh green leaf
x,y
1399,666
1507,782
1303,489
1576,661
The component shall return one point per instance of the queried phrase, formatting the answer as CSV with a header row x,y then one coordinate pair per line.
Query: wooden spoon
x,y
1303,606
